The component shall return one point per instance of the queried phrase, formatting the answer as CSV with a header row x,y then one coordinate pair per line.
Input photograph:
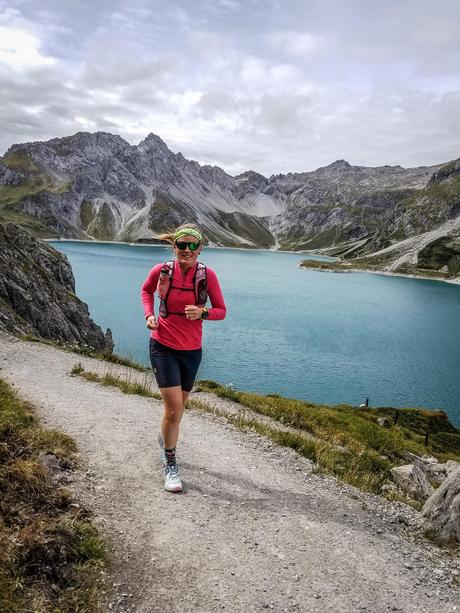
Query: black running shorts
x,y
173,367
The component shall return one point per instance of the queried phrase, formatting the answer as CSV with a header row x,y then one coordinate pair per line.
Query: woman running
x,y
183,286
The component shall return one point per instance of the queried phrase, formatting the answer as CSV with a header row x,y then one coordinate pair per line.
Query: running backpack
x,y
200,287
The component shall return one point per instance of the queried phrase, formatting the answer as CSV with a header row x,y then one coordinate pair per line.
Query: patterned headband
x,y
188,232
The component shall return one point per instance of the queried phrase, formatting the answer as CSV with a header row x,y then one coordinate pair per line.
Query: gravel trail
x,y
256,529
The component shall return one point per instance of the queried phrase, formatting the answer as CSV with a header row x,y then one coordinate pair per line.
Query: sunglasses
x,y
182,245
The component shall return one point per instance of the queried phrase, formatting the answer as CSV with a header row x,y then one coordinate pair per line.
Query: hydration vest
x,y
200,287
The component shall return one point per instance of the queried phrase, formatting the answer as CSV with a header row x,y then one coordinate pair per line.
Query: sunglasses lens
x,y
182,245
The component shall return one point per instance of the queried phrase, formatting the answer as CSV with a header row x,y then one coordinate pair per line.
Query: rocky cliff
x,y
99,186
37,293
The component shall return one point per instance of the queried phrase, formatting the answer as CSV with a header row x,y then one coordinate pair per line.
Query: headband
x,y
186,232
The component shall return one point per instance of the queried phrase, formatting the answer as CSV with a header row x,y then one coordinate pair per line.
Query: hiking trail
x,y
256,528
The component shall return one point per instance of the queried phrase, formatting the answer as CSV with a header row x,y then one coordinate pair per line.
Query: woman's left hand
x,y
193,312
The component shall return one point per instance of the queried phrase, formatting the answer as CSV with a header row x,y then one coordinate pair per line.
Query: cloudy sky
x,y
269,85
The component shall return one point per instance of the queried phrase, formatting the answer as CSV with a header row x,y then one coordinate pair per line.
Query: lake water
x,y
323,337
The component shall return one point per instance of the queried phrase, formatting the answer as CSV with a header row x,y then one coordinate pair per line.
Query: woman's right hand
x,y
152,323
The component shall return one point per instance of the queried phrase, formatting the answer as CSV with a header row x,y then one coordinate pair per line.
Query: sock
x,y
170,456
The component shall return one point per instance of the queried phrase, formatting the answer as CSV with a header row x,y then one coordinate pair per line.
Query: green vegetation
x,y
19,160
296,239
50,554
102,226
125,385
354,428
86,213
246,227
322,265
32,225
10,194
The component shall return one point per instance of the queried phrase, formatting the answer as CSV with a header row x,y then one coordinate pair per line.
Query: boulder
x,y
384,422
441,512
412,481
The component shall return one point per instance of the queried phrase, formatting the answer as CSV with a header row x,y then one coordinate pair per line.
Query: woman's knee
x,y
173,414
173,403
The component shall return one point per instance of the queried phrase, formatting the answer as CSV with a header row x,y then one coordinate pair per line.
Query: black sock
x,y
170,456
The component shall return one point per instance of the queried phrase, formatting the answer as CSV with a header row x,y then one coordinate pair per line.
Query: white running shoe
x,y
162,455
172,479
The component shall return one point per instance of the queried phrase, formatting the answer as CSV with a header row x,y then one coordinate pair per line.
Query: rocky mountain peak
x,y
339,165
153,142
250,175
81,142
252,181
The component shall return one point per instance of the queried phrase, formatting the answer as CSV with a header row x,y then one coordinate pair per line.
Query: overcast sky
x,y
268,85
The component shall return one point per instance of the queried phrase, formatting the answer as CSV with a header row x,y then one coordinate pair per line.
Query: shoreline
x,y
454,281
388,273
249,249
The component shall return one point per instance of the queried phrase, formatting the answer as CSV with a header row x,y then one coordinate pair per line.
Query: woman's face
x,y
186,256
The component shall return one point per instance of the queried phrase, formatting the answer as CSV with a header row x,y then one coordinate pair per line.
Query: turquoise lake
x,y
324,337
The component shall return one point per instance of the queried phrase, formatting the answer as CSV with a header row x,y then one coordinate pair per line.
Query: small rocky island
x,y
37,293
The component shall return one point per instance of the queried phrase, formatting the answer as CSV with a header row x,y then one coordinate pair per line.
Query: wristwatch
x,y
205,313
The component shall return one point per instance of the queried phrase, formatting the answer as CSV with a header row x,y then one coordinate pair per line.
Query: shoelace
x,y
173,471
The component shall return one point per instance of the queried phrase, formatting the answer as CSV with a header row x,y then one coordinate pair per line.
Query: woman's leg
x,y
173,410
173,400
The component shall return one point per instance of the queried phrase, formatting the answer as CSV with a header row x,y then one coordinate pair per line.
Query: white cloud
x,y
276,87
290,42
20,48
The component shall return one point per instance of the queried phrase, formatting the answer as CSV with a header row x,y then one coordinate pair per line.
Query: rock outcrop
x,y
441,512
37,293
412,481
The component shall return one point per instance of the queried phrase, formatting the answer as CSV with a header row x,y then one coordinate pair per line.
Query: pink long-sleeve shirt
x,y
176,331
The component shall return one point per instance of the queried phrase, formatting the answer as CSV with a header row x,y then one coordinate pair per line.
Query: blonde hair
x,y
169,236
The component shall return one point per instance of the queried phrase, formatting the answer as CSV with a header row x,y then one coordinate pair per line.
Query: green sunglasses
x,y
182,245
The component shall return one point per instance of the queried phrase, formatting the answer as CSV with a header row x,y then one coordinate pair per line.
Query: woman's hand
x,y
193,312
152,323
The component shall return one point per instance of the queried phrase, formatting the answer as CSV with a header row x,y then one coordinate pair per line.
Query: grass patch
x,y
142,388
322,265
50,554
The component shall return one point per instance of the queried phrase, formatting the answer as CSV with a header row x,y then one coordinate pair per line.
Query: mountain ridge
x,y
99,186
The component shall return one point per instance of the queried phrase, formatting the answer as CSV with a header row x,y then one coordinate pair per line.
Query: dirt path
x,y
255,529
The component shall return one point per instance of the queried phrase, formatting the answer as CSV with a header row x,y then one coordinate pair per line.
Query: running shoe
x,y
172,479
162,454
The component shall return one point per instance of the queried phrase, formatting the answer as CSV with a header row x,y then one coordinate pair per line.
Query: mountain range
x,y
99,186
